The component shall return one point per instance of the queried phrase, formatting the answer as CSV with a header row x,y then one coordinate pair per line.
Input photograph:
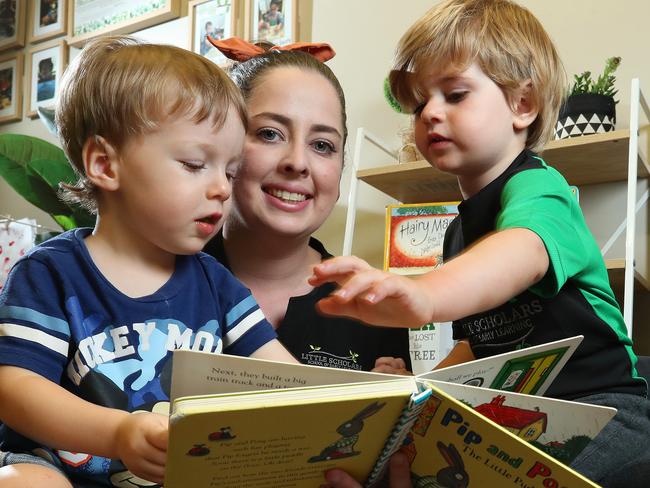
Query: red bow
x,y
241,50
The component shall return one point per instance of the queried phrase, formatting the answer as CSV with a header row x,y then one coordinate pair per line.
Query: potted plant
x,y
590,107
34,168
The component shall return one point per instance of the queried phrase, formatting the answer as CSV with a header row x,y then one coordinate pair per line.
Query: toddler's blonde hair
x,y
506,41
119,87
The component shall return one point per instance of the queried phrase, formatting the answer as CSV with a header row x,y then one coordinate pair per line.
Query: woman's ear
x,y
101,163
524,107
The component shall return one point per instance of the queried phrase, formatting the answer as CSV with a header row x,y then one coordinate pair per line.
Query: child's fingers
x,y
149,471
158,437
335,307
361,285
156,457
337,269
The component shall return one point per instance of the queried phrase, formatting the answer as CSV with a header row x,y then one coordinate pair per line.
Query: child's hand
x,y
391,365
141,444
372,296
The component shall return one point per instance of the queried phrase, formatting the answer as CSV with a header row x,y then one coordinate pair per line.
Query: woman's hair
x,y
506,41
248,74
119,88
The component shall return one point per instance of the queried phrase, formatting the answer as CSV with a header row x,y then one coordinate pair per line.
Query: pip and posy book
x,y
258,430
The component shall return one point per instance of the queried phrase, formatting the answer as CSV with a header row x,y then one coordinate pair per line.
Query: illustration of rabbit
x,y
349,431
453,476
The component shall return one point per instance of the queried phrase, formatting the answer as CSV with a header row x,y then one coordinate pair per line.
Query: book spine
x,y
403,426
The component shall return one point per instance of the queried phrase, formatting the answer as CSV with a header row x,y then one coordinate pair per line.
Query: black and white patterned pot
x,y
586,113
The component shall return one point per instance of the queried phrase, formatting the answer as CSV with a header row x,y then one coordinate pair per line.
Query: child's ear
x,y
100,163
524,107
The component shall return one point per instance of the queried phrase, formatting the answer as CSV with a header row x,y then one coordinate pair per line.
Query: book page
x,y
282,444
452,445
560,428
530,370
200,373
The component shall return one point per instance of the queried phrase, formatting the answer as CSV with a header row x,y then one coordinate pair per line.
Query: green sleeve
x,y
542,201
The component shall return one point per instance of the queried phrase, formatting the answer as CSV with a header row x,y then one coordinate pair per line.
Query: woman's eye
x,y
191,165
268,135
456,96
324,147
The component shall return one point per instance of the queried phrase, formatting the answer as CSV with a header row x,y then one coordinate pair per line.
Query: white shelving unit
x,y
586,160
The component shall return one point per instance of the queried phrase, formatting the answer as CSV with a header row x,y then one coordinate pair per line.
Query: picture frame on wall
x,y
11,76
274,21
12,23
46,19
90,18
215,18
45,65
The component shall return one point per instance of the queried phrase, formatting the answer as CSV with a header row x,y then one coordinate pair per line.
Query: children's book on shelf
x,y
247,422
413,245
414,236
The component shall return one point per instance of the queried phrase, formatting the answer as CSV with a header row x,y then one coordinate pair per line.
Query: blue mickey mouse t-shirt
x,y
61,318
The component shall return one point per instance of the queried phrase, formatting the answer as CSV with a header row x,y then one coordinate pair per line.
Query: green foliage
x,y
34,168
604,84
388,95
567,451
415,211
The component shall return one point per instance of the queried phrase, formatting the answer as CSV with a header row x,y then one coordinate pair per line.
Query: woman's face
x,y
289,178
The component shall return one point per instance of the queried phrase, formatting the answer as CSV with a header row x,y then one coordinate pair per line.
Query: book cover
x,y
452,446
282,438
414,236
559,428
413,245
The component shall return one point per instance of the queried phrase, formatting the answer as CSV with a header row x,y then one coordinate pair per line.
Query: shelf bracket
x,y
350,219
636,100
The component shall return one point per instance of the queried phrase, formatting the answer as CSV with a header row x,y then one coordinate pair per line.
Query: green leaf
x,y
34,168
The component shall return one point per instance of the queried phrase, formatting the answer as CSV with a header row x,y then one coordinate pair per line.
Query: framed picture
x,y
11,75
47,19
12,23
211,17
90,18
45,65
274,21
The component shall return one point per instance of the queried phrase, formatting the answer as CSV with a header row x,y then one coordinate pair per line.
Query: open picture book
x,y
246,422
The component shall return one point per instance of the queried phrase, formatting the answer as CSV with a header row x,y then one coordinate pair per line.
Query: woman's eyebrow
x,y
273,116
325,128
286,121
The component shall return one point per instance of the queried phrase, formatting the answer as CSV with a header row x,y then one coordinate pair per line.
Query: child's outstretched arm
x,y
274,351
47,413
486,275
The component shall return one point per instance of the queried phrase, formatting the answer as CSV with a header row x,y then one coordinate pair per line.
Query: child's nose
x,y
219,187
433,111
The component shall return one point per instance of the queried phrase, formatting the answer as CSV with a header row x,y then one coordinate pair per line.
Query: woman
x,y
287,185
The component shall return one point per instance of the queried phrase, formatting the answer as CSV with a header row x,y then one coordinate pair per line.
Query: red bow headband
x,y
241,50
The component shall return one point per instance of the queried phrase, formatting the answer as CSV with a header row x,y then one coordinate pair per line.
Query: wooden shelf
x,y
585,160
616,271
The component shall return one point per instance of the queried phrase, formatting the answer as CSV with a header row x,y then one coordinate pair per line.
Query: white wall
x,y
364,34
